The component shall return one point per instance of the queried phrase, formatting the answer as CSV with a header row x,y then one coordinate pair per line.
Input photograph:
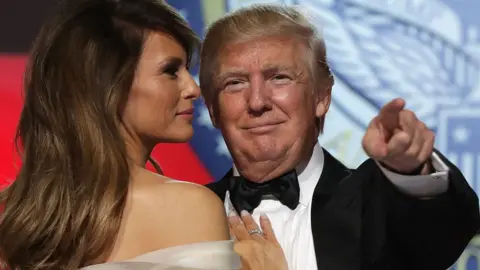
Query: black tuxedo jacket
x,y
361,221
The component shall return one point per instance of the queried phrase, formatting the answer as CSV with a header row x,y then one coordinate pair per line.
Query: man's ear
x,y
323,101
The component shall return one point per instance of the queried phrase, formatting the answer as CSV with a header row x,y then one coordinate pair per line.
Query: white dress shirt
x,y
293,227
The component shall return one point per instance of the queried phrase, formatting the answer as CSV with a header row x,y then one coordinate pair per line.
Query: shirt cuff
x,y
422,186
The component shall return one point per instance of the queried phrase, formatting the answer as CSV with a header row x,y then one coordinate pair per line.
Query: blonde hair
x,y
258,21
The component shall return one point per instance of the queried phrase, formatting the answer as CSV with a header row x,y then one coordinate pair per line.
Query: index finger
x,y
390,113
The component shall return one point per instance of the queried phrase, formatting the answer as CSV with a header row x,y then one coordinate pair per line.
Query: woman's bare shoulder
x,y
190,210
161,213
179,194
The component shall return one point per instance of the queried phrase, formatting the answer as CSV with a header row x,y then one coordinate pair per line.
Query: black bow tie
x,y
247,195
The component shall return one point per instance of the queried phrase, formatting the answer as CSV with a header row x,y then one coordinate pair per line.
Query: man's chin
x,y
266,156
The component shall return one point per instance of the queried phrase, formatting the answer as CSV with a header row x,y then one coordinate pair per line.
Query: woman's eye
x,y
172,72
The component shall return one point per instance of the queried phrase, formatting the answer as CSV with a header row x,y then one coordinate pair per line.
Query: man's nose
x,y
259,97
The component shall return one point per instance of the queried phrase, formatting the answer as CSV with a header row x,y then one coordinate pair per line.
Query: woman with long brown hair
x,y
107,80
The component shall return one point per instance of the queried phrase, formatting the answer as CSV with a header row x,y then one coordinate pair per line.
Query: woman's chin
x,y
181,137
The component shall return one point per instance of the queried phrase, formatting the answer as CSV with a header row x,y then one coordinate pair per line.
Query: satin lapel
x,y
336,217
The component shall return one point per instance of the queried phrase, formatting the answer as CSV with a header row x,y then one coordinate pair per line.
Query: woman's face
x,y
160,104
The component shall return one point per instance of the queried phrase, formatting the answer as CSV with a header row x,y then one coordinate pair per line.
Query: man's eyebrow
x,y
268,69
277,68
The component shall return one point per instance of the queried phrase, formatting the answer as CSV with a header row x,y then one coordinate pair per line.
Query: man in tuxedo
x,y
267,86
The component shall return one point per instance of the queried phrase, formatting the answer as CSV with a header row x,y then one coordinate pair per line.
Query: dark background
x,y
20,21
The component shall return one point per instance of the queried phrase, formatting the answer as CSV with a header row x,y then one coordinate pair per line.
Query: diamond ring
x,y
255,231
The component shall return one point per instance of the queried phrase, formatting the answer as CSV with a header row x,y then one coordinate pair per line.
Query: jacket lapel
x,y
336,217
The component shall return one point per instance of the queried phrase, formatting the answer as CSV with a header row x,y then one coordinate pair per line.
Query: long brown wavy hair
x,y
65,207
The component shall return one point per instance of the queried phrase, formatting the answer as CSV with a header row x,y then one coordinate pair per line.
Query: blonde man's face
x,y
266,105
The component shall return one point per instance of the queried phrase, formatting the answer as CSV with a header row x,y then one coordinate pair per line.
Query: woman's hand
x,y
258,248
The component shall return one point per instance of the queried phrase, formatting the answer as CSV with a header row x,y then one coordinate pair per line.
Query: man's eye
x,y
280,77
235,85
234,82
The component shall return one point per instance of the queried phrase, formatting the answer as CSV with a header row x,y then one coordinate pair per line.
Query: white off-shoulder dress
x,y
218,255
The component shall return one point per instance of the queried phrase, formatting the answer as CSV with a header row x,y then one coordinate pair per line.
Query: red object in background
x,y
177,161
11,71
